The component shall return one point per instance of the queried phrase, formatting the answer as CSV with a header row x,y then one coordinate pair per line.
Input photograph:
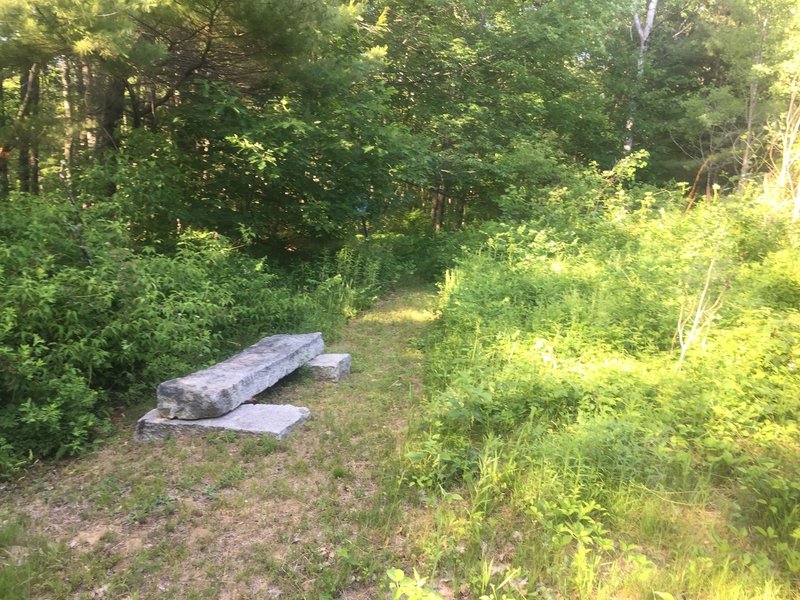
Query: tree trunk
x,y
34,110
752,99
35,167
111,116
744,172
796,209
24,167
644,32
4,148
787,178
28,172
66,100
461,209
5,185
133,95
437,211
84,87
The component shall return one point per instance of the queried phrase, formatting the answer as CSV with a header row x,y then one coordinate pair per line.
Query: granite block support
x,y
276,420
330,367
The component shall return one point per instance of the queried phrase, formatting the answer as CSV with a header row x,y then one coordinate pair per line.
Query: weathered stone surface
x,y
276,420
219,389
330,367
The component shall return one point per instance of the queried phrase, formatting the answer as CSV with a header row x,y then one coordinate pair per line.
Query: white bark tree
x,y
643,30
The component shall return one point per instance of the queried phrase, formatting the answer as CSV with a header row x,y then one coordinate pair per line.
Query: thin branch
x,y
150,107
77,227
700,319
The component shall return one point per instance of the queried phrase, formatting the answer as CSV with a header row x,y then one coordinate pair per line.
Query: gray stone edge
x,y
152,427
330,372
170,407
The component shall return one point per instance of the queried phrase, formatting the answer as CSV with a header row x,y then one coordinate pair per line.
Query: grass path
x,y
225,517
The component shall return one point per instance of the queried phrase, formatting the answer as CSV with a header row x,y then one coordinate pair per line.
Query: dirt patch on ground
x,y
88,538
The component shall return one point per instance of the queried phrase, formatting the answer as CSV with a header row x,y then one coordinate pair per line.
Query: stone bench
x,y
218,390
213,399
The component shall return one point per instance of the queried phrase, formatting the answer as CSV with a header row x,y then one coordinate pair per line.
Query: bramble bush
x,y
612,352
80,336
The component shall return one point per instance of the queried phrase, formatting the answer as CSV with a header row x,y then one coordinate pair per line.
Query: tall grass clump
x,y
613,400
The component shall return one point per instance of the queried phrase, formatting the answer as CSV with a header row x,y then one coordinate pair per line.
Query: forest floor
x,y
319,515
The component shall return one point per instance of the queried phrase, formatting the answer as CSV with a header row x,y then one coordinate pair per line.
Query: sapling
x,y
699,316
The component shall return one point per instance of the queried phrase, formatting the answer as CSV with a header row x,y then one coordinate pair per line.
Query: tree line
x,y
291,120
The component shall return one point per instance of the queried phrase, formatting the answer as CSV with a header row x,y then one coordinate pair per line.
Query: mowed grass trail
x,y
223,516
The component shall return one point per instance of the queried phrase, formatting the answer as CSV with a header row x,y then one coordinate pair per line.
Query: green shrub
x,y
776,281
77,338
568,350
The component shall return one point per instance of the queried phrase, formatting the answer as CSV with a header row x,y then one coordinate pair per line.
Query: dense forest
x,y
606,192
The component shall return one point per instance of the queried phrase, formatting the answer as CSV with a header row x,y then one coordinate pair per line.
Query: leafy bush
x,y
79,337
641,350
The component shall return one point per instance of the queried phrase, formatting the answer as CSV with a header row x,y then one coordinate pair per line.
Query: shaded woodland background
x,y
290,119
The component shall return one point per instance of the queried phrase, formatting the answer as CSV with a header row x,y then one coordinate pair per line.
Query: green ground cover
x,y
613,406
317,516
600,405
601,402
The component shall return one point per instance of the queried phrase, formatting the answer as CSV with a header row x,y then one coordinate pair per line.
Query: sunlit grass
x,y
221,516
413,315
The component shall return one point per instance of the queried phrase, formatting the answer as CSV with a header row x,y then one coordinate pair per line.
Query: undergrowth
x,y
613,404
90,321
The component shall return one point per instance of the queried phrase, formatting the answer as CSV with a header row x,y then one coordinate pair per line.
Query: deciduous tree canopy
x,y
289,117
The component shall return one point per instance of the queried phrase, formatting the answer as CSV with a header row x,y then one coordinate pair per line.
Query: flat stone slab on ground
x,y
276,420
217,390
330,367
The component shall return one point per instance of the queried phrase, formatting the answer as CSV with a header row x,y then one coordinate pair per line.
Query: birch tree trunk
x,y
789,172
752,100
644,31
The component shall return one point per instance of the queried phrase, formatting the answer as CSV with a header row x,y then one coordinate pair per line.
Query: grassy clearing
x,y
225,517
563,447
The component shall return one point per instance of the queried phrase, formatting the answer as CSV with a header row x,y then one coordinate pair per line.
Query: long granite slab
x,y
217,390
276,420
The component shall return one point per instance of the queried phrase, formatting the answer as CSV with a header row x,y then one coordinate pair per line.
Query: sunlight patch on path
x,y
414,315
